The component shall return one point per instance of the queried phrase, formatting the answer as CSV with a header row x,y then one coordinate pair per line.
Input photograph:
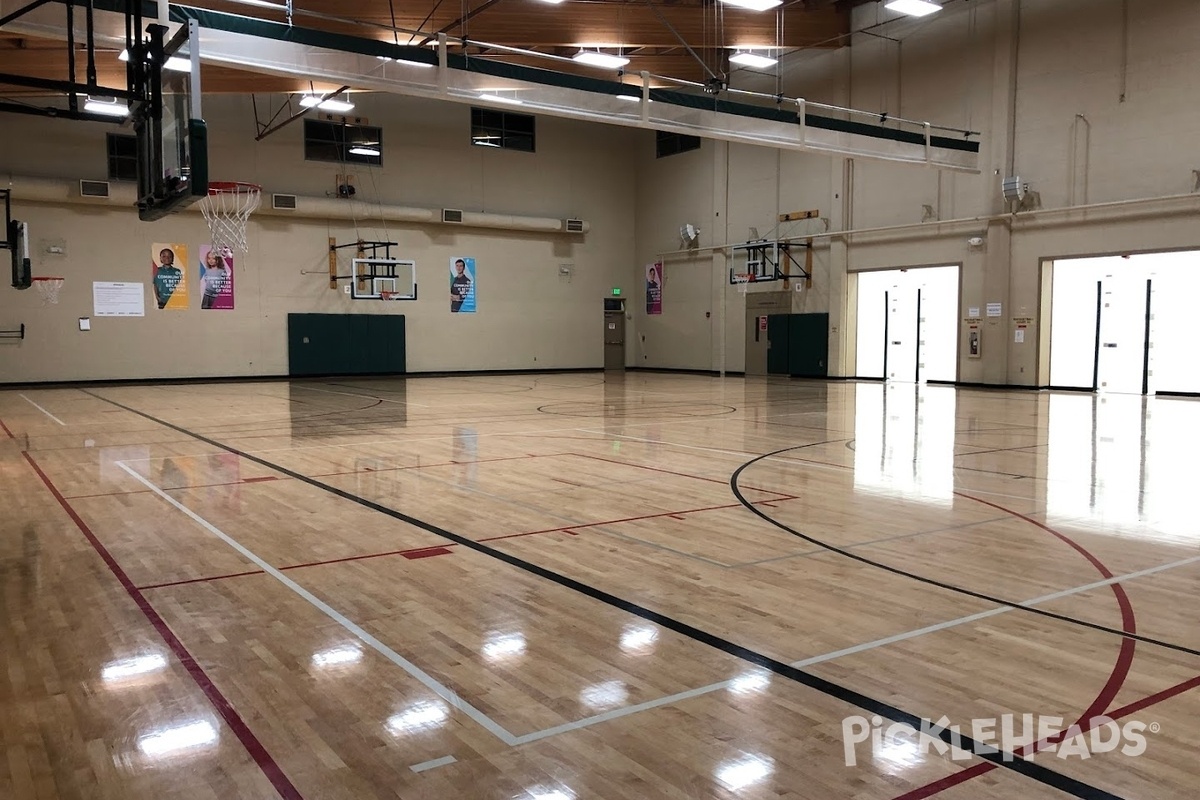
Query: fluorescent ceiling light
x,y
753,60
407,63
594,58
553,2
753,5
496,98
914,8
501,646
111,108
350,654
634,98
184,737
132,667
313,101
173,62
419,717
364,151
737,775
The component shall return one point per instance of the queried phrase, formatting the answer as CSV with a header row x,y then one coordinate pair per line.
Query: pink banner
x,y
216,278
654,281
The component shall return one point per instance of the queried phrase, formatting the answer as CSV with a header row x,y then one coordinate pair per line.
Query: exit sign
x,y
616,292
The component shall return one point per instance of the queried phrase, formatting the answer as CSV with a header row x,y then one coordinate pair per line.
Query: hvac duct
x,y
60,191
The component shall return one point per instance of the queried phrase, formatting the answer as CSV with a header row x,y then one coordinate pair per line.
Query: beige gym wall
x,y
970,66
530,316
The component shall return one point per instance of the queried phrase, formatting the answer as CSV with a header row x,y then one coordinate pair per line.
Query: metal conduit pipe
x,y
62,191
1174,205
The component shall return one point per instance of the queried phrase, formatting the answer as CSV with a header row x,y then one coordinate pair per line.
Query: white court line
x,y
359,396
508,738
39,408
437,762
849,651
425,678
782,458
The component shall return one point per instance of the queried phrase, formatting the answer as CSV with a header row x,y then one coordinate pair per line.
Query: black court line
x,y
1009,761
733,484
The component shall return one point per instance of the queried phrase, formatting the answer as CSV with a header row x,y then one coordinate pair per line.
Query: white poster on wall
x,y
118,299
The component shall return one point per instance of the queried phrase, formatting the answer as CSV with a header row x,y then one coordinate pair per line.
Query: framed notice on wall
x,y
118,299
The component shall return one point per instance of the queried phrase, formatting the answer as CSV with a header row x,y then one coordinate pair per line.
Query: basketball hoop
x,y
227,207
48,288
743,282
384,294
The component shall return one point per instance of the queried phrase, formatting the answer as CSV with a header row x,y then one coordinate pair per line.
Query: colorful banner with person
x,y
170,288
462,285
216,277
654,288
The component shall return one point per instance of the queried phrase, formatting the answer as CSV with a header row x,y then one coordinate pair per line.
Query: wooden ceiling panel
x,y
649,31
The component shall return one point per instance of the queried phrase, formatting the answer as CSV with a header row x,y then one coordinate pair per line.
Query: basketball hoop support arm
x,y
777,256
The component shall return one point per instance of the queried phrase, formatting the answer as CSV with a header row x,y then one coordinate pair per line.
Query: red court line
x,y
438,464
174,488
671,472
427,552
1085,726
254,747
1116,678
200,580
570,529
6,430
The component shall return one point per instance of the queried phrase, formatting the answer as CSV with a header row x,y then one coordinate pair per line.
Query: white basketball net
x,y
226,209
48,288
743,283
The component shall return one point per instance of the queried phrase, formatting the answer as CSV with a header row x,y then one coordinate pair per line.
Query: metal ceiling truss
x,y
138,80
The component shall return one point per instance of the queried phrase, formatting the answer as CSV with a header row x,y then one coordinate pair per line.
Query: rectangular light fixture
x,y
634,98
594,58
914,8
496,98
753,60
313,101
173,62
753,5
110,108
364,151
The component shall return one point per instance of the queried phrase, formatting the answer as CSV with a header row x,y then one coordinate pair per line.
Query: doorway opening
x,y
908,324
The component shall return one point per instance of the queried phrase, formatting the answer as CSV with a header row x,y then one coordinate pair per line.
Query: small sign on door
x,y
612,326
762,323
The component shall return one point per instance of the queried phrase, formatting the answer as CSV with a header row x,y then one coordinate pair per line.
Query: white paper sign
x,y
994,309
973,312
118,299
1019,335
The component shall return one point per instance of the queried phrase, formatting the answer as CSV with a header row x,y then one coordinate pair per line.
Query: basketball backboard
x,y
383,279
14,237
172,137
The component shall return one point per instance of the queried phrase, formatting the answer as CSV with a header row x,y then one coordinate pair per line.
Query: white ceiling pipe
x,y
60,190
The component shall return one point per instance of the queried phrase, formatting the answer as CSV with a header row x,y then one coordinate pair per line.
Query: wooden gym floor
x,y
572,586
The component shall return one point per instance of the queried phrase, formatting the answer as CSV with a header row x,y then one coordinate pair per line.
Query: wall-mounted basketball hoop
x,y
767,261
48,288
374,276
226,209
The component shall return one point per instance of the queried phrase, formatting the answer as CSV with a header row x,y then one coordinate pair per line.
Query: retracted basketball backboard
x,y
383,279
767,261
172,137
14,237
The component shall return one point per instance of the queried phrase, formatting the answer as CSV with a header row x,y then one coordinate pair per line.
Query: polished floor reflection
x,y
580,586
